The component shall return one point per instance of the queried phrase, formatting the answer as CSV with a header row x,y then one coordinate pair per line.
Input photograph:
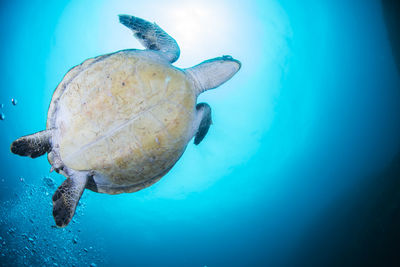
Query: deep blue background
x,y
299,166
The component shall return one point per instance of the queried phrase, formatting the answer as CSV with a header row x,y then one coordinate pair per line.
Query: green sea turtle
x,y
119,122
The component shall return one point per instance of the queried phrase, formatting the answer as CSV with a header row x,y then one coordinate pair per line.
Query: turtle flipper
x,y
67,196
204,116
33,145
152,36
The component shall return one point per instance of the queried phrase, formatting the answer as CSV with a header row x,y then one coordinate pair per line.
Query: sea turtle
x,y
119,122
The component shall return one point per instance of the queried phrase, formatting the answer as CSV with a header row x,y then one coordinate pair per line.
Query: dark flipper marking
x,y
66,198
204,123
33,145
152,36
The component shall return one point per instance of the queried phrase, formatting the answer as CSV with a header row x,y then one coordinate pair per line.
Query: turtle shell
x,y
128,116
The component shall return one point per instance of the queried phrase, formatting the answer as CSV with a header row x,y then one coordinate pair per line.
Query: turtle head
x,y
213,72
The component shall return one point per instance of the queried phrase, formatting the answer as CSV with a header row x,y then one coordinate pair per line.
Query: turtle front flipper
x,y
33,145
203,121
152,36
67,196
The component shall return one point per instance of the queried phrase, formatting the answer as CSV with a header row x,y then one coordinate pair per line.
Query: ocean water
x,y
300,167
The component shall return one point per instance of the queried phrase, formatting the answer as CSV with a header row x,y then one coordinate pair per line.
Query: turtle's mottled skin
x,y
119,122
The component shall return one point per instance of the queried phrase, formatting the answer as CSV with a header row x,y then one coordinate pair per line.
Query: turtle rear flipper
x,y
152,36
67,196
33,145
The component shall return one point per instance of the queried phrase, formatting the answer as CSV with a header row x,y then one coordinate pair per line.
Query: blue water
x,y
299,135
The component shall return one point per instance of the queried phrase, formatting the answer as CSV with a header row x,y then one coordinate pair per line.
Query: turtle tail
x,y
34,145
